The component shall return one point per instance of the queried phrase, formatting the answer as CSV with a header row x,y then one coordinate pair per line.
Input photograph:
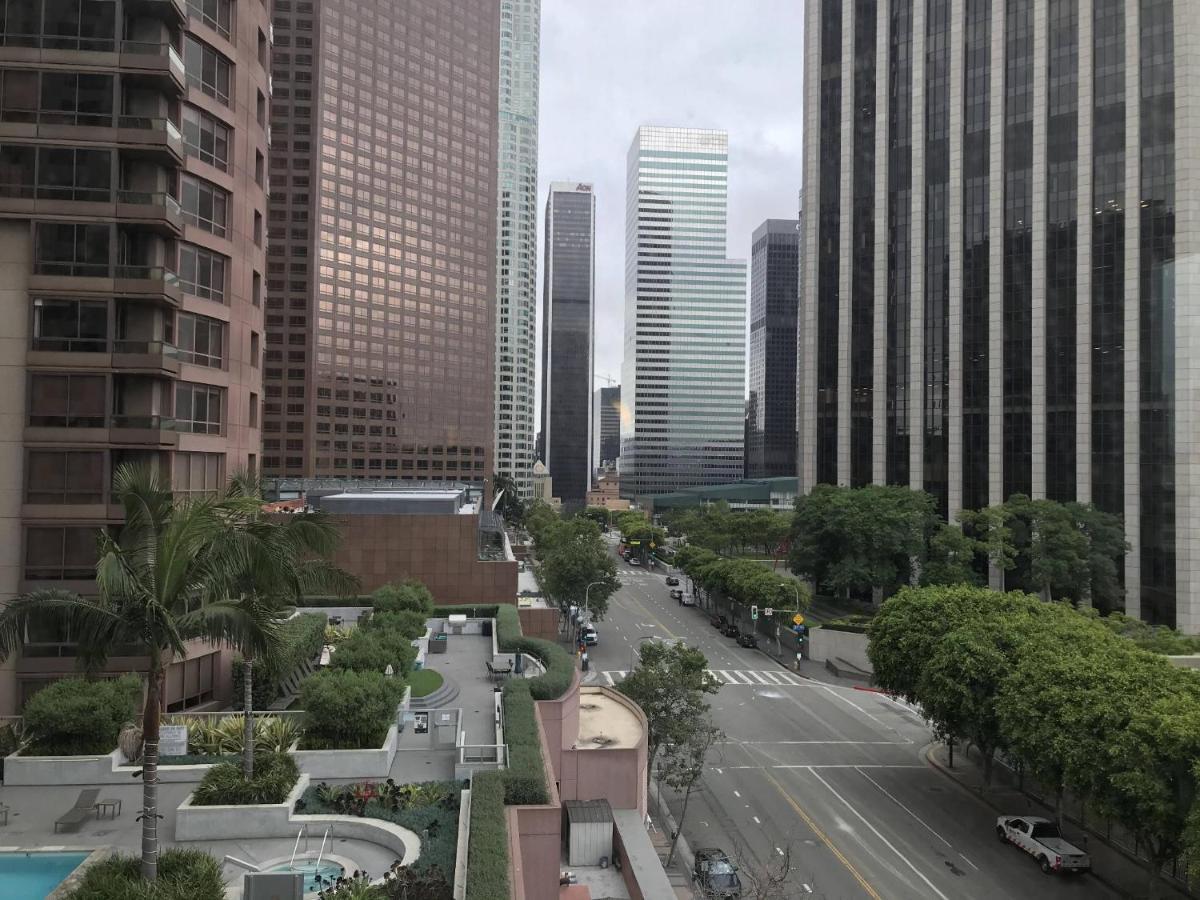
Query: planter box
x,y
45,770
361,764
215,823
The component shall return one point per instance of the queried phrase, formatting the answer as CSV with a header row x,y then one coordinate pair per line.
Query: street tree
x,y
989,527
681,765
1106,548
951,557
540,520
766,875
571,557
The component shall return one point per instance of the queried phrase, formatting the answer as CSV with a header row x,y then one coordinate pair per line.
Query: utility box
x,y
273,886
589,832
457,622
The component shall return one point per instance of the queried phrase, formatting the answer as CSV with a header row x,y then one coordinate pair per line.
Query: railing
x,y
147,273
153,422
70,345
491,756
91,44
150,198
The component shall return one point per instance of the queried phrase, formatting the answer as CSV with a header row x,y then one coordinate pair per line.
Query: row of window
x,y
81,401
81,477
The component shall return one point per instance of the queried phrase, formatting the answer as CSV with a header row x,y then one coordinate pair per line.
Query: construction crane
x,y
605,378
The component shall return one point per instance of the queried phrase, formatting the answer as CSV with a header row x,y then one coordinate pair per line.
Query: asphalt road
x,y
831,775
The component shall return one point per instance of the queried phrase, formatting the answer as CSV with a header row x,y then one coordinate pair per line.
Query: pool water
x,y
32,876
314,877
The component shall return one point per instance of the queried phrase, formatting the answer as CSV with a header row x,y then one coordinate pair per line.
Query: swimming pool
x,y
314,877
33,875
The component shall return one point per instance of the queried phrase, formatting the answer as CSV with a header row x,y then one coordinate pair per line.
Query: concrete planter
x,y
215,823
362,764
34,771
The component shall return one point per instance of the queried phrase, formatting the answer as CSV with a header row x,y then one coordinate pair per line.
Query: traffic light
x,y
753,613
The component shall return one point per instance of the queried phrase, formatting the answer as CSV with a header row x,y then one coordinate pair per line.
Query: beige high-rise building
x,y
133,141
382,262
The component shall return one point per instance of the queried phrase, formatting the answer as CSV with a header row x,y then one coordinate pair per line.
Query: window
x,y
68,98
66,173
213,13
67,401
76,326
198,408
253,410
254,345
264,53
206,69
205,138
202,272
18,96
66,249
189,683
77,24
200,340
260,165
58,553
64,476
203,203
258,228
198,473
256,290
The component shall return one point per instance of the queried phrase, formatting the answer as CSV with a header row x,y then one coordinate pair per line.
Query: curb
x,y
683,851
927,755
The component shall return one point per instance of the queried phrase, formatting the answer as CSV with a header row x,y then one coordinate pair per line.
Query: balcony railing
x,y
145,421
70,344
77,269
148,348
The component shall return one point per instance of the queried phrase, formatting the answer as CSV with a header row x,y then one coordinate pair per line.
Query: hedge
x,y
409,624
300,639
439,612
371,649
275,774
408,595
525,777
75,717
182,875
345,710
560,666
487,853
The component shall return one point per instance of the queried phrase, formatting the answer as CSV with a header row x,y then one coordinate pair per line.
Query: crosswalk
x,y
737,677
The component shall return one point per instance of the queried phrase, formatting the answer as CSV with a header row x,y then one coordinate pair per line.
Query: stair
x,y
290,687
843,669
439,698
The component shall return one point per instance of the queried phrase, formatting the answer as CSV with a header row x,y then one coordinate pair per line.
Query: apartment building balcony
x,y
135,357
154,210
172,12
154,62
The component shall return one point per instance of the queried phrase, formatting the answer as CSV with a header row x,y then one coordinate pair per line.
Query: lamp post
x,y
587,594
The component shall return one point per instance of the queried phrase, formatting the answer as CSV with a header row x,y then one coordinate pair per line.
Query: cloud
x,y
608,66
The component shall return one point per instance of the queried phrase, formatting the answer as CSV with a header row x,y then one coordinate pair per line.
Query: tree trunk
x,y
687,794
876,597
151,720
248,718
1058,798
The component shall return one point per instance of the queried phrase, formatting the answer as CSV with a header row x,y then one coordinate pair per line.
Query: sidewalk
x,y
1110,865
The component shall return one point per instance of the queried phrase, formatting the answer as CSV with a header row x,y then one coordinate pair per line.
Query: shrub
x,y
348,710
560,666
74,717
275,775
182,875
408,595
373,650
300,639
525,777
410,625
487,855
208,736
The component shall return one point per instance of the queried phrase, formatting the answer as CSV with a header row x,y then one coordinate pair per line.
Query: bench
x,y
497,674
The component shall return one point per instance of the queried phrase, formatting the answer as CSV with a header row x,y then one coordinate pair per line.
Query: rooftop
x,y
606,722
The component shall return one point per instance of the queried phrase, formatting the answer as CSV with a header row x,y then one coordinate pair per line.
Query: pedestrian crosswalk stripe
x,y
735,677
758,676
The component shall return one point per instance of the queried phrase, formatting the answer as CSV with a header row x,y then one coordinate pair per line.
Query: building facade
x,y
516,242
133,144
381,270
568,339
606,427
997,202
774,301
683,378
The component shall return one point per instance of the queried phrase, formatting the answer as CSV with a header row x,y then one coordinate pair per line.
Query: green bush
x,y
373,650
300,639
182,875
525,777
348,710
403,596
275,774
74,717
410,625
487,854
855,623
560,665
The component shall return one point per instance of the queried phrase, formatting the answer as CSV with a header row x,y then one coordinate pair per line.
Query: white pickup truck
x,y
1042,840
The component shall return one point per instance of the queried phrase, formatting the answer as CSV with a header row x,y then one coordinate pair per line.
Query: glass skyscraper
x,y
994,305
516,241
683,378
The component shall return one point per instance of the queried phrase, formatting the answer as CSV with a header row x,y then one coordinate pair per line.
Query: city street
x,y
832,773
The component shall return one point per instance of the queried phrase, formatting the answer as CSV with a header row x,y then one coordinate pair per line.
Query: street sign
x,y
798,619
768,612
753,612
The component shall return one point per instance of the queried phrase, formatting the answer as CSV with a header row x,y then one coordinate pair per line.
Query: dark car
x,y
746,639
715,875
676,594
716,621
729,629
672,581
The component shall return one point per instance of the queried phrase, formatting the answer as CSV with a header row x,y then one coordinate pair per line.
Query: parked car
x,y
677,595
589,635
717,621
1042,840
730,630
746,639
715,874
687,600
634,561
672,581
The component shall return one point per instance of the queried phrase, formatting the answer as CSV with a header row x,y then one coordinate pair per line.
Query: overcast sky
x,y
609,66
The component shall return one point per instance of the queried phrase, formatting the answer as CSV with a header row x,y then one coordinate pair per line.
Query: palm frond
x,y
91,623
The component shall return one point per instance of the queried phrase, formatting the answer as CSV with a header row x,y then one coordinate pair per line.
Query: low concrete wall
x,y
825,644
641,869
27,771
464,841
1186,662
217,823
363,764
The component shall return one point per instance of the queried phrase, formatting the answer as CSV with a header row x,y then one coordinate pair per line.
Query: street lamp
x,y
587,594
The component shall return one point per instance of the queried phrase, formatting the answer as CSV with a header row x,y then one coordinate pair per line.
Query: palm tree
x,y
162,581
282,560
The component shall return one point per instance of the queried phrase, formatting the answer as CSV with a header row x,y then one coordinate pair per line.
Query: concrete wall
x,y
363,764
216,823
539,830
617,775
825,644
560,723
441,551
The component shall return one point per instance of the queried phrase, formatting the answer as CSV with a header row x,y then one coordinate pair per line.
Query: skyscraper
x,y
381,270
516,242
606,426
132,160
774,286
683,378
568,315
996,201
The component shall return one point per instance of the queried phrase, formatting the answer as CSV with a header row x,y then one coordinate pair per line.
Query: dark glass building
x,y
568,309
606,426
993,302
771,411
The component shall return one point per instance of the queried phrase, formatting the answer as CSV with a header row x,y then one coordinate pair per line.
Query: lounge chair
x,y
85,805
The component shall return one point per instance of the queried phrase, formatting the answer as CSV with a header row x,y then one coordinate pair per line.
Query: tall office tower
x,y
683,377
568,338
516,242
132,150
381,270
994,209
774,286
606,427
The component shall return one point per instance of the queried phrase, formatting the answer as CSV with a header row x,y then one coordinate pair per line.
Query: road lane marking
x,y
824,838
756,819
737,794
889,795
725,676
832,766
877,834
850,702
969,863
743,677
760,678
608,675
779,851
